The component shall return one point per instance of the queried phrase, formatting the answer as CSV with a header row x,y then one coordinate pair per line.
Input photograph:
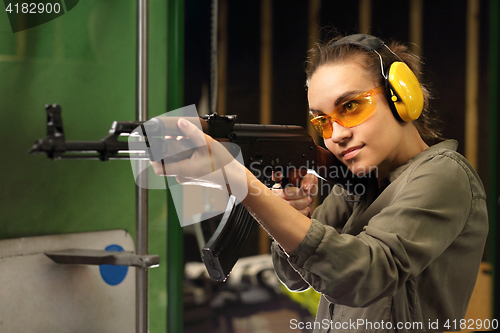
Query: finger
x,y
277,176
294,193
276,189
296,203
287,194
158,168
169,169
300,204
310,179
276,186
190,130
186,168
309,184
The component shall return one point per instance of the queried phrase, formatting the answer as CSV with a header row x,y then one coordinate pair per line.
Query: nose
x,y
340,133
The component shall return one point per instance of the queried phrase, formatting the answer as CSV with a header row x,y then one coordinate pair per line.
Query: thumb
x,y
306,187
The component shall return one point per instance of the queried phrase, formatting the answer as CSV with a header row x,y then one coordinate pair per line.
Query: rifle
x,y
285,148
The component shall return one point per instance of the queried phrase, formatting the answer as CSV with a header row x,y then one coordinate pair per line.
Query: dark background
x,y
443,51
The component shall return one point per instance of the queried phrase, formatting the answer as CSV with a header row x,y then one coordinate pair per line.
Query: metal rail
x,y
141,236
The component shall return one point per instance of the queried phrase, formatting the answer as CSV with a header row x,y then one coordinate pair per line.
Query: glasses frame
x,y
323,124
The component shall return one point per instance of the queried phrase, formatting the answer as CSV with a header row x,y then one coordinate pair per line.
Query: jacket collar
x,y
443,145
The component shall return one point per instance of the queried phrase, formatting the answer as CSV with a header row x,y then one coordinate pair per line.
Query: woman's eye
x,y
350,106
323,119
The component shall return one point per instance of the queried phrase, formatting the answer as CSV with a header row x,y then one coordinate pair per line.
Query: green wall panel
x,y
84,61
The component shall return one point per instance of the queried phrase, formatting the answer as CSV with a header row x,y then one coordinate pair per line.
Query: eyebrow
x,y
316,112
346,94
339,100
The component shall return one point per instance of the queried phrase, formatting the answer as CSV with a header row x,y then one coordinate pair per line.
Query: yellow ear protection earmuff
x,y
404,93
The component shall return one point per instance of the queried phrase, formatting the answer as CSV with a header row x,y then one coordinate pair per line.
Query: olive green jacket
x,y
404,258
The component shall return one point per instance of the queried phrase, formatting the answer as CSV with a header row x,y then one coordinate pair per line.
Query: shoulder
x,y
442,165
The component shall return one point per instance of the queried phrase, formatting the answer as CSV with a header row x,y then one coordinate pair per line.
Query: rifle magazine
x,y
224,248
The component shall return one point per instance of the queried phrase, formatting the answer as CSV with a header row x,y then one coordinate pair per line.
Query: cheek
x,y
381,126
383,138
330,145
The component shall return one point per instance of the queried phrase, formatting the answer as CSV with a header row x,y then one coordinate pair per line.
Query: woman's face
x,y
378,142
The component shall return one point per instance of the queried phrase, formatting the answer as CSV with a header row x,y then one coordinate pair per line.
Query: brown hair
x,y
330,53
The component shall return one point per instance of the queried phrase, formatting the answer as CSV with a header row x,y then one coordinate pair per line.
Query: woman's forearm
x,y
283,222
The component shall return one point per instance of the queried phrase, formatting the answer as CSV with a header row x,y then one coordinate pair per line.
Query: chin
x,y
361,169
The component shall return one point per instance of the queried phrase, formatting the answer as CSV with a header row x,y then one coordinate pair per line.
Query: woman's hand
x,y
207,162
301,197
195,145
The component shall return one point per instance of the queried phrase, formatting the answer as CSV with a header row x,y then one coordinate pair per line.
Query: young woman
x,y
404,256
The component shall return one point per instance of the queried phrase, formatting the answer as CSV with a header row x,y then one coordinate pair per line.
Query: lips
x,y
351,152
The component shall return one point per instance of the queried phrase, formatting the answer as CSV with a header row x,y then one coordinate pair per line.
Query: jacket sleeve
x,y
427,211
334,210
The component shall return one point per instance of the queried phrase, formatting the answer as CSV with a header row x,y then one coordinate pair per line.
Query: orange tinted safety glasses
x,y
351,112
